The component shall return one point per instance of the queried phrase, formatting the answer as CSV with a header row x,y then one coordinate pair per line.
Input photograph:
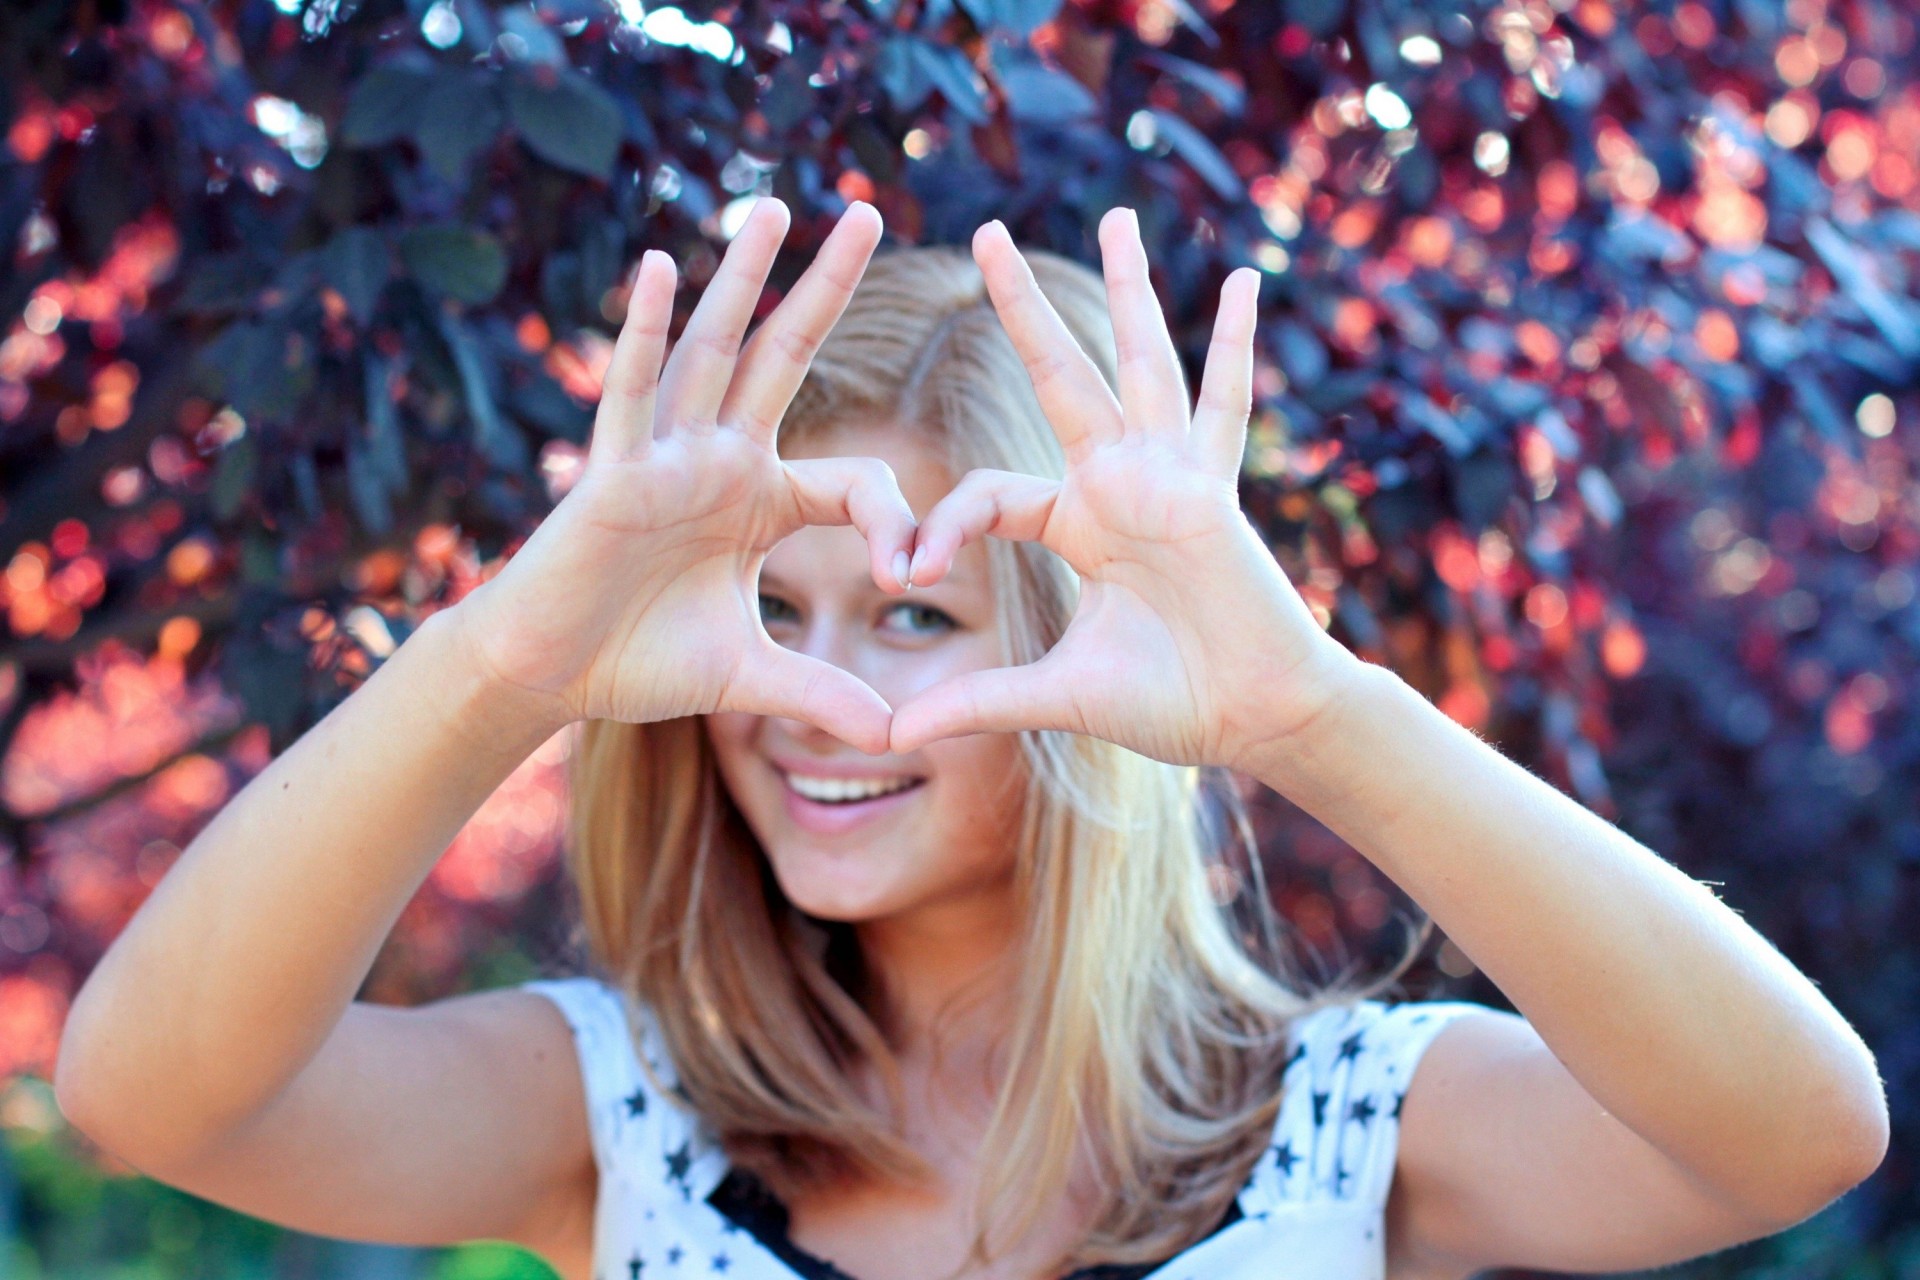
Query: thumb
x,y
1002,700
772,681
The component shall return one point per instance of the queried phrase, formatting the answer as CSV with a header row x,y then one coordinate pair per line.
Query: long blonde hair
x,y
1146,1036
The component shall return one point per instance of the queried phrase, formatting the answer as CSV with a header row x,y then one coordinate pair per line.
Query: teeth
x,y
842,790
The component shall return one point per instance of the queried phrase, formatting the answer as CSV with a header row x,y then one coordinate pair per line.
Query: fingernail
x,y
901,574
919,554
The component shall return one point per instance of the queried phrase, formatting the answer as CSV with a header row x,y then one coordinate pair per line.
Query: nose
x,y
837,641
831,639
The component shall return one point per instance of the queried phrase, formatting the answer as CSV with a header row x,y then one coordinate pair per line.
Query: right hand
x,y
637,598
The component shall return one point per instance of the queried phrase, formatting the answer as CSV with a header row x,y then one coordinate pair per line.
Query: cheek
x,y
911,672
982,780
731,734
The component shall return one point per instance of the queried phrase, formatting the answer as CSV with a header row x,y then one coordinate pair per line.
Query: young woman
x,y
888,843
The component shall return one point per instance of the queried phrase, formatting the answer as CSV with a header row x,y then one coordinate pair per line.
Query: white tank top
x,y
1313,1209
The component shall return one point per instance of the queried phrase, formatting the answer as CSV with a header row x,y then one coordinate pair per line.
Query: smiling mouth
x,y
847,791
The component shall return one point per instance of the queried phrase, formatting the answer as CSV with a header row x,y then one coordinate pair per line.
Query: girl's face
x,y
854,837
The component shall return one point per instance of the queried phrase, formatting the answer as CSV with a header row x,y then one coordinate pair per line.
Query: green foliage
x,y
466,265
79,1222
1586,385
572,123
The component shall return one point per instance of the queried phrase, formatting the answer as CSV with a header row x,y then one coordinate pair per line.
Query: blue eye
x,y
774,609
924,618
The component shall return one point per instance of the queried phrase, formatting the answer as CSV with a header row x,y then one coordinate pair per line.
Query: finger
x,y
864,493
777,356
1073,395
623,424
1153,389
772,681
1226,387
701,366
986,503
1002,700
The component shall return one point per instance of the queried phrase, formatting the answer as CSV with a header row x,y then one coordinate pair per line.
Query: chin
x,y
834,886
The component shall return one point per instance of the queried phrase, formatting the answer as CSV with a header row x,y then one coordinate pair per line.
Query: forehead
x,y
918,463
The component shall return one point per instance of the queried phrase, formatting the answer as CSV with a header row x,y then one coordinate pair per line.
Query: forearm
x,y
1669,1009
234,971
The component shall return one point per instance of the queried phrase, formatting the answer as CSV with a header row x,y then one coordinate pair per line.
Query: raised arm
x,y
214,1044
1675,1085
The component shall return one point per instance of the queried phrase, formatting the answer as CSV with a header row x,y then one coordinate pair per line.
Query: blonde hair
x,y
1146,1036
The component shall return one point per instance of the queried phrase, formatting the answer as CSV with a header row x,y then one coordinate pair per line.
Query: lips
x,y
829,804
839,790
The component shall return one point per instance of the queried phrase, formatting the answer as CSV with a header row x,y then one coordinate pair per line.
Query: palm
x,y
1128,629
707,508
1181,607
636,599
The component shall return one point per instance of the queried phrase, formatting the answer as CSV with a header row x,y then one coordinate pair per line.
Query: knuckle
x,y
1226,402
843,281
635,389
797,347
1045,366
646,324
718,342
810,688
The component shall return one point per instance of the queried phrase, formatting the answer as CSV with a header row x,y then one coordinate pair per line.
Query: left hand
x,y
1188,644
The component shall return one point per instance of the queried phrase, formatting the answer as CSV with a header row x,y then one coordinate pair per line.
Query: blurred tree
x,y
1585,396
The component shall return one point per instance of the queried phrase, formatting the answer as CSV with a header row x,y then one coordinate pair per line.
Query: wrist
x,y
1325,694
478,696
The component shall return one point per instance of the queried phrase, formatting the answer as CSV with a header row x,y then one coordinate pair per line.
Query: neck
x,y
942,975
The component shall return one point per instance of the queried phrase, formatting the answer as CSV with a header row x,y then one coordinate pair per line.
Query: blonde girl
x,y
897,639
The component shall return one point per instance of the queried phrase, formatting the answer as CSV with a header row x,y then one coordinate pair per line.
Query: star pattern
x,y
1354,1066
679,1160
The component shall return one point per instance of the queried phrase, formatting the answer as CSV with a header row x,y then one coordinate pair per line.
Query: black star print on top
x,y
1311,1212
679,1161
